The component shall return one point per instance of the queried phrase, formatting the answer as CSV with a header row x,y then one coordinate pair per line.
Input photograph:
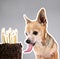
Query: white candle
x,y
7,36
16,34
10,36
3,35
10,30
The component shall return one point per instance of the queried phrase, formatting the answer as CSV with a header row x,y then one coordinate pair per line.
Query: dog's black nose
x,y
28,41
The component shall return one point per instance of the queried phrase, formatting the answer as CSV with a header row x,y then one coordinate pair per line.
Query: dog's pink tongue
x,y
29,48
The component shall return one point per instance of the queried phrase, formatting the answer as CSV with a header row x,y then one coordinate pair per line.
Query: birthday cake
x,y
10,48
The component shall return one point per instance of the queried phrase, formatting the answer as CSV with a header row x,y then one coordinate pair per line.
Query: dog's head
x,y
35,30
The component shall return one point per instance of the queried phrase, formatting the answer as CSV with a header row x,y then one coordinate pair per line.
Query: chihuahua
x,y
38,38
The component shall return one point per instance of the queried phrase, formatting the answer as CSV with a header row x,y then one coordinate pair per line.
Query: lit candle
x,y
16,36
3,35
7,36
10,36
10,30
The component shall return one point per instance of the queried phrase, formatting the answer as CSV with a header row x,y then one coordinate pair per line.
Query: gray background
x,y
11,15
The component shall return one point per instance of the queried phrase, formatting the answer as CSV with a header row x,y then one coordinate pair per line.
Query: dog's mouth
x,y
30,47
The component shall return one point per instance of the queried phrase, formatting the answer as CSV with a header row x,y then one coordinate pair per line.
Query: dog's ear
x,y
27,20
41,16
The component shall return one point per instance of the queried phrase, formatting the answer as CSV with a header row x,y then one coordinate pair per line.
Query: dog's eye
x,y
26,33
35,32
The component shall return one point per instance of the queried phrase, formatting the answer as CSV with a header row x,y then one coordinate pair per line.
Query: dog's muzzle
x,y
30,42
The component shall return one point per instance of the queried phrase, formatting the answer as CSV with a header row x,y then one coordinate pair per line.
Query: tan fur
x,y
46,47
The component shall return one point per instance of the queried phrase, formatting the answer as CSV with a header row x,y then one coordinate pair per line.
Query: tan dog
x,y
45,47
